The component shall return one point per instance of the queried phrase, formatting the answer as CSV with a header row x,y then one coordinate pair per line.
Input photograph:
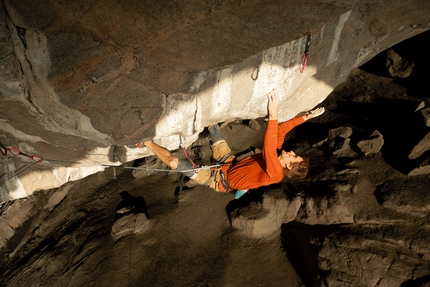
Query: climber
x,y
254,171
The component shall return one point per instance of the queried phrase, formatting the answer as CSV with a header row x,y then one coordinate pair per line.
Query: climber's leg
x,y
220,148
178,164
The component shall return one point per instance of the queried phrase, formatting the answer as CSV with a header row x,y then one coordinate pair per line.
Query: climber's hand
x,y
273,104
314,113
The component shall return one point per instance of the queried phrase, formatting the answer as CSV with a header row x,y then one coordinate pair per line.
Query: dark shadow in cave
x,y
131,204
384,114
310,132
253,195
365,110
413,50
422,281
296,238
395,119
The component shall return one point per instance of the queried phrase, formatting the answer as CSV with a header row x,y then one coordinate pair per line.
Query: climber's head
x,y
295,167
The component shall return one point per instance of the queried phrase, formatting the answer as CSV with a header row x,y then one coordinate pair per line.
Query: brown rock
x,y
426,115
397,66
373,144
421,147
262,220
410,196
356,256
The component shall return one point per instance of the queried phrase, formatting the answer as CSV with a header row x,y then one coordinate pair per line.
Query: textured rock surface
x,y
129,224
354,221
359,256
77,77
373,144
426,115
264,219
392,195
397,66
421,147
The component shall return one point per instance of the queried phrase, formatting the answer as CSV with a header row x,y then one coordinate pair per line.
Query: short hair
x,y
299,170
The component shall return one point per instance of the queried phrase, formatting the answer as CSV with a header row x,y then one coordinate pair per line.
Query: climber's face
x,y
287,158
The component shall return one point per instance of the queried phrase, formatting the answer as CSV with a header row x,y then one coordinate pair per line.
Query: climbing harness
x,y
38,159
218,177
305,54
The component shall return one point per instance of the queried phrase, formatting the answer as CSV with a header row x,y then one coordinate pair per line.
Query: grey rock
x,y
373,144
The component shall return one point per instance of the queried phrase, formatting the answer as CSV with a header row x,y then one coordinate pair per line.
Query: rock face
x,y
373,144
359,256
359,222
397,66
81,81
358,219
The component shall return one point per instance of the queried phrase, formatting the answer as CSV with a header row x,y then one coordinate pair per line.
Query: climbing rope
x,y
132,167
38,159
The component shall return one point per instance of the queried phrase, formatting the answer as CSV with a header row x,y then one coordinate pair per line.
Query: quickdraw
x,y
16,152
305,54
187,154
195,167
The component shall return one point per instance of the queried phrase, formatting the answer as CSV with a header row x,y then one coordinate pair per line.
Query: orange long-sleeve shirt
x,y
264,168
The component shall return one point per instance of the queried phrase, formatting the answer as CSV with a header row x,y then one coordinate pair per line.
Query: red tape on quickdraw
x,y
305,54
16,152
36,158
303,64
